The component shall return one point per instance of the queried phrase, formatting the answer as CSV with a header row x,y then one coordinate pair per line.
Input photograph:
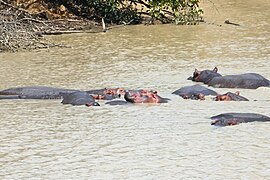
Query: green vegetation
x,y
178,11
123,11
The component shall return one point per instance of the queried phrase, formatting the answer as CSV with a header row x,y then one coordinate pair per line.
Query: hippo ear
x,y
237,93
196,70
215,69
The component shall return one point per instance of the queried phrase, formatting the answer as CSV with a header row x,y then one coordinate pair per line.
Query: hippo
x,y
107,94
35,92
204,76
195,92
144,96
44,92
117,102
79,98
230,97
245,81
229,119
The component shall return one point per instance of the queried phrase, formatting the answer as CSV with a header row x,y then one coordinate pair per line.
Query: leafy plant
x,y
123,11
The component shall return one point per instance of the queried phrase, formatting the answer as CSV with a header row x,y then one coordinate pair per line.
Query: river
x,y
43,139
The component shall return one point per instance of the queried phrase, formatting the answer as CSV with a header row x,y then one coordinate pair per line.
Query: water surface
x,y
43,139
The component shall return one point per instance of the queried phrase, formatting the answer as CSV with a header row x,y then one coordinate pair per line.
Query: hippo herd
x,y
195,92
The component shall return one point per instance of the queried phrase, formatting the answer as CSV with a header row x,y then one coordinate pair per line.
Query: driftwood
x,y
228,22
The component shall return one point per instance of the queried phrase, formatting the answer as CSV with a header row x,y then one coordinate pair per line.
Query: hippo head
x,y
230,97
204,76
144,96
115,92
193,96
223,97
109,94
224,122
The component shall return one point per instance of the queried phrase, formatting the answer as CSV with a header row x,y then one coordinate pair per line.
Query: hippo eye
x,y
109,91
121,91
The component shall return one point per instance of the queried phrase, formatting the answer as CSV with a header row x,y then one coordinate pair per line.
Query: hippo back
x,y
117,103
36,92
195,89
244,117
77,98
208,75
245,81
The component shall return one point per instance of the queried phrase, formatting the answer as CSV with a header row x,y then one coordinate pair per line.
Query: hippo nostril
x,y
88,104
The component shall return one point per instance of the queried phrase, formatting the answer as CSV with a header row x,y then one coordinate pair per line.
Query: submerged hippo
x,y
230,97
107,94
43,92
195,92
79,98
229,119
117,102
144,96
35,92
246,81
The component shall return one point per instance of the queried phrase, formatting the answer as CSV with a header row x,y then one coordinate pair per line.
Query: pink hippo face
x,y
144,96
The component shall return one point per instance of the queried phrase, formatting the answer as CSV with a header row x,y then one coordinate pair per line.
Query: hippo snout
x,y
215,122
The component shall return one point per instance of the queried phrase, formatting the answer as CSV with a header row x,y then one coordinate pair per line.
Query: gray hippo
x,y
229,119
245,81
44,92
79,98
35,92
195,92
117,102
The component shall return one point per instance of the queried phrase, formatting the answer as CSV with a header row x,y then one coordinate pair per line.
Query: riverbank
x,y
22,29
23,25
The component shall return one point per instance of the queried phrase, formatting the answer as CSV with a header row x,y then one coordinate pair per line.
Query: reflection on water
x,y
47,140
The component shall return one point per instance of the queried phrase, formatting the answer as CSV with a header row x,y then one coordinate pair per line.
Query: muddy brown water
x,y
43,139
